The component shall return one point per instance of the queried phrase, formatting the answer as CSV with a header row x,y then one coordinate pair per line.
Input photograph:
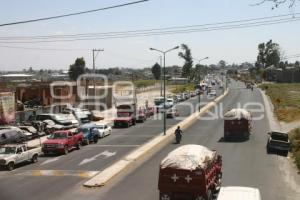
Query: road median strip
x,y
107,174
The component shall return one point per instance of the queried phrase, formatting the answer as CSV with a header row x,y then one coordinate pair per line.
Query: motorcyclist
x,y
178,135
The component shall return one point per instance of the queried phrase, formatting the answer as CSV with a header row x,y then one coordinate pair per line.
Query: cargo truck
x,y
237,124
190,172
126,105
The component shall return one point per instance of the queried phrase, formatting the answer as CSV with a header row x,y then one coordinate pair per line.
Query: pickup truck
x,y
12,154
61,142
278,141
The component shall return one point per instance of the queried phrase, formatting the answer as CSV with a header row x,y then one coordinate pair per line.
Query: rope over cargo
x,y
188,157
237,114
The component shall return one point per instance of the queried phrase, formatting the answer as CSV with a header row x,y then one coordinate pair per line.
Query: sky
x,y
233,46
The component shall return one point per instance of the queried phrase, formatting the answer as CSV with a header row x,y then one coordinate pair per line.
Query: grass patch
x,y
182,88
144,83
286,100
294,136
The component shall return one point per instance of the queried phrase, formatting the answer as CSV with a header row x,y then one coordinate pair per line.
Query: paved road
x,y
53,177
244,163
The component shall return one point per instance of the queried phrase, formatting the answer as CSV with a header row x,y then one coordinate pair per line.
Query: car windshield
x,y
280,136
83,130
100,126
58,135
7,150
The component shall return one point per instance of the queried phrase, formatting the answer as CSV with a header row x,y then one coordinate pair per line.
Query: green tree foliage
x,y
268,54
77,69
222,64
188,61
156,71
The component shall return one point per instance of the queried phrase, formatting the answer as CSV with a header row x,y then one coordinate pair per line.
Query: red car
x,y
141,116
151,111
61,142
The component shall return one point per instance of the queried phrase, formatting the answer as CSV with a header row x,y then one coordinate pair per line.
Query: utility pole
x,y
94,67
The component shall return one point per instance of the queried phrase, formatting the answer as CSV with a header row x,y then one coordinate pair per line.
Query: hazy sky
x,y
231,45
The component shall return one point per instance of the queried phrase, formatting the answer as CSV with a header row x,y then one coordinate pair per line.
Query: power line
x,y
72,14
42,49
142,30
143,34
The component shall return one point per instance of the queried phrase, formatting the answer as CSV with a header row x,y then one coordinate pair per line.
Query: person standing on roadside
x,y
178,135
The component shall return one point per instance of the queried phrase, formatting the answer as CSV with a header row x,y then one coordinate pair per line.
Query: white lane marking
x,y
112,145
106,154
50,160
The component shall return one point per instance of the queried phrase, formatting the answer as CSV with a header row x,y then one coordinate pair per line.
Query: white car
x,y
239,193
170,101
104,129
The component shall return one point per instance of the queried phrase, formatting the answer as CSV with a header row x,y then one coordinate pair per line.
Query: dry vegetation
x,y
286,100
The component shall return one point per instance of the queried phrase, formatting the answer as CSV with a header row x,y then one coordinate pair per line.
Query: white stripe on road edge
x,y
79,173
104,176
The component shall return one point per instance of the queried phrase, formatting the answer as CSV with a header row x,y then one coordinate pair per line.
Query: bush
x,y
294,136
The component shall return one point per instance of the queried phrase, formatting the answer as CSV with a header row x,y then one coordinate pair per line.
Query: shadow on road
x,y
233,140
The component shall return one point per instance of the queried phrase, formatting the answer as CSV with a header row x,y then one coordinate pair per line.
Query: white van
x,y
239,193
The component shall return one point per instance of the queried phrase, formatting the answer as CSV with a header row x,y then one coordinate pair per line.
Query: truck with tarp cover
x,y
190,172
237,124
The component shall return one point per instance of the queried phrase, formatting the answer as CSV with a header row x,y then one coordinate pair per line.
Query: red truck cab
x,y
190,172
61,142
237,124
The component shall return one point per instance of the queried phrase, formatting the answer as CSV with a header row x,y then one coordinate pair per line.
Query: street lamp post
x,y
199,95
94,67
164,56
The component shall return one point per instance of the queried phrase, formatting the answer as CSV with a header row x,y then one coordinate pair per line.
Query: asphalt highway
x,y
57,176
244,163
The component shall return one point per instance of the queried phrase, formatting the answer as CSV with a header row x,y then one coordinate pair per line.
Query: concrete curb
x,y
107,174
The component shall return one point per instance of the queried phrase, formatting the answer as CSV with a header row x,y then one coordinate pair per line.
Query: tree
x,y
188,61
268,54
222,64
277,3
272,54
77,69
156,71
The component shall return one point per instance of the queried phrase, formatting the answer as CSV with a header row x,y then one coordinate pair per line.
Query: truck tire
x,y
78,145
127,125
34,158
133,122
209,195
66,150
11,166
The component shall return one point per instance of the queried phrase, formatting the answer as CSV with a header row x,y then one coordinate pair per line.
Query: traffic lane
x,y
244,163
72,161
120,142
94,157
142,182
41,188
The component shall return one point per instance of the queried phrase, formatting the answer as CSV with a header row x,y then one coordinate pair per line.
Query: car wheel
x,y
96,139
11,166
66,150
34,159
78,145
268,150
